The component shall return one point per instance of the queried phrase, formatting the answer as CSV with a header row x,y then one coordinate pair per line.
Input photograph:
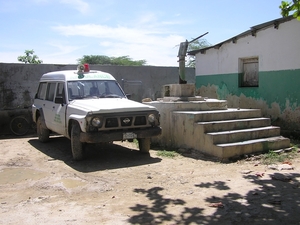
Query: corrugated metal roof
x,y
253,30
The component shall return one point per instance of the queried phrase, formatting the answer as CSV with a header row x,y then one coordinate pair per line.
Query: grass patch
x,y
136,142
167,154
274,157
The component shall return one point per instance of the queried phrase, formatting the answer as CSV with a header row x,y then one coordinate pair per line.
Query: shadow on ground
x,y
97,157
276,200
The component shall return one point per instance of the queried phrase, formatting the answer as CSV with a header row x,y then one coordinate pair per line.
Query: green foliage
x,y
168,154
290,7
105,60
136,142
195,45
30,58
274,157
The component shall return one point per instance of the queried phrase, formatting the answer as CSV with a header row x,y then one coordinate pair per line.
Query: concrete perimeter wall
x,y
19,82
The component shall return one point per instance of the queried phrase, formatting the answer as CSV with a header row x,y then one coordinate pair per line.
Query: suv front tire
x,y
76,144
43,133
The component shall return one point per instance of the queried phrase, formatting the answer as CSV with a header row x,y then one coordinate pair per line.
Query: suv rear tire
x,y
43,133
76,144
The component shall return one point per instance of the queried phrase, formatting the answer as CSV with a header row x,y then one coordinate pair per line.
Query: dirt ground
x,y
115,184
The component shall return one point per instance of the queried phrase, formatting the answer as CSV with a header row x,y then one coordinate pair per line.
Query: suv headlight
x,y
97,122
151,118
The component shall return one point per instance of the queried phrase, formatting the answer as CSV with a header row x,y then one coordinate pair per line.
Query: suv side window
x,y
42,91
60,91
50,91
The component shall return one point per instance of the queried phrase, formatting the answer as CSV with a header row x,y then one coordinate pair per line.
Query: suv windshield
x,y
94,89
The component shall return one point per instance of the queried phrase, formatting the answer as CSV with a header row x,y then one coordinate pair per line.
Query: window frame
x,y
51,91
42,90
249,72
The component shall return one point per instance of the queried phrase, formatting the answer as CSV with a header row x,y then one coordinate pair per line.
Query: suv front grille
x,y
125,121
140,120
111,122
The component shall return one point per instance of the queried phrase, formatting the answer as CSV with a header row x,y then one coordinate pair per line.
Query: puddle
x,y
16,175
70,183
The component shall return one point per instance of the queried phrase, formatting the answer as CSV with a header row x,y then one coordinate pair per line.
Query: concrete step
x,y
225,125
243,135
165,105
253,146
209,126
218,115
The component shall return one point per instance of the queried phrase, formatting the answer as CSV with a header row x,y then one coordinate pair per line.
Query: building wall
x,y
277,94
277,49
19,82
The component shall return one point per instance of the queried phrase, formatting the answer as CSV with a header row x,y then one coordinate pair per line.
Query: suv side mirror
x,y
59,100
128,96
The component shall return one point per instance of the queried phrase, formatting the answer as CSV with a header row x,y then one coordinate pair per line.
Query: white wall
x,y
277,49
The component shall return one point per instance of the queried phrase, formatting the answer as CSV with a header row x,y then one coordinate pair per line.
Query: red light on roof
x,y
86,67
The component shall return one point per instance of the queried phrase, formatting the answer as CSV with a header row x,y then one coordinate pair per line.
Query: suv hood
x,y
103,105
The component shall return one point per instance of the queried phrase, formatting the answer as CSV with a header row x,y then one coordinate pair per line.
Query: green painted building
x,y
259,68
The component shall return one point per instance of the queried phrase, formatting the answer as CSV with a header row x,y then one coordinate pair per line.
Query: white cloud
x,y
79,5
122,34
144,37
155,47
63,48
154,55
60,59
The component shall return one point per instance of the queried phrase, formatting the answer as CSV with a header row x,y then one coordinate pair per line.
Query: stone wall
x,y
19,82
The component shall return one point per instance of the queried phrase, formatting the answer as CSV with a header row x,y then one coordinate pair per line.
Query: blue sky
x,y
62,31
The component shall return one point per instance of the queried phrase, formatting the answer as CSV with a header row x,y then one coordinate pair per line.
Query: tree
x,y
105,60
195,45
290,7
30,58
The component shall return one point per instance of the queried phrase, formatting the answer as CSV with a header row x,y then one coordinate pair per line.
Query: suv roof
x,y
72,75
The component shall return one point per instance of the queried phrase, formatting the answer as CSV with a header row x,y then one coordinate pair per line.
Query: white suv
x,y
91,107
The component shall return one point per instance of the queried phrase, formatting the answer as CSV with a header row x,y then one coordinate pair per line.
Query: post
x,y
181,55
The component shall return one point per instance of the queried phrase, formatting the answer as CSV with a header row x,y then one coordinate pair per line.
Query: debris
x,y
253,157
273,167
278,151
147,100
246,171
288,149
260,174
285,167
216,205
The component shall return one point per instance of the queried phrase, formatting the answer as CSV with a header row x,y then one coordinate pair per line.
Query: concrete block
x,y
179,90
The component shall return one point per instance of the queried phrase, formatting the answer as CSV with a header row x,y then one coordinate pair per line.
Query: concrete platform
x,y
207,125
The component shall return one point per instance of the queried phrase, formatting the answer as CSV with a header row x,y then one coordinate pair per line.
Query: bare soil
x,y
115,184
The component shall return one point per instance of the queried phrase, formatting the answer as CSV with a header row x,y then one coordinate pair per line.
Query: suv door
x,y
54,113
60,105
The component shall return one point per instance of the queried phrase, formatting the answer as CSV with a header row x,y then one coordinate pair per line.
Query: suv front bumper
x,y
107,136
